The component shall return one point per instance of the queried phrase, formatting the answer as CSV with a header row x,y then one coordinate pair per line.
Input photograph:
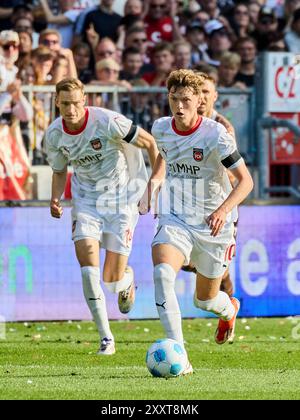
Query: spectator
x,y
43,60
229,67
254,8
160,22
266,25
107,74
22,11
241,20
62,22
289,8
14,104
82,54
43,63
132,61
132,18
182,15
133,7
182,55
24,24
106,48
246,48
6,12
24,61
104,20
14,108
64,56
218,42
163,60
202,17
137,38
292,36
195,35
9,42
210,7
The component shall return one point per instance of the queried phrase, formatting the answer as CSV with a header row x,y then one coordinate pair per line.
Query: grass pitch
x,y
58,361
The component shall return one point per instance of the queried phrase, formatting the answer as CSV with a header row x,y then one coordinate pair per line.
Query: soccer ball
x,y
166,358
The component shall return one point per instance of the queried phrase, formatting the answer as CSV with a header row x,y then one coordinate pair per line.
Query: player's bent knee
x,y
164,273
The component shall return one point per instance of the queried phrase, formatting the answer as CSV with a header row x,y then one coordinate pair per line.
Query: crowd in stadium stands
x,y
43,41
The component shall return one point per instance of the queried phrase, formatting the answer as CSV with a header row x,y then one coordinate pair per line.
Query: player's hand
x,y
216,221
56,208
144,204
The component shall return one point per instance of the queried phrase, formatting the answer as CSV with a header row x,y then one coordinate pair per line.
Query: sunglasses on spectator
x,y
8,46
50,42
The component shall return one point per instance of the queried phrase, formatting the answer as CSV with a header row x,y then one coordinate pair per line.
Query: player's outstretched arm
x,y
146,141
243,188
58,187
154,184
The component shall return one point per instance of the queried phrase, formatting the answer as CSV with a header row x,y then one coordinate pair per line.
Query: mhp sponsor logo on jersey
x,y
183,168
96,144
198,154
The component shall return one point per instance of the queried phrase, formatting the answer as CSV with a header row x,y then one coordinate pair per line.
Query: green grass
x,y
58,361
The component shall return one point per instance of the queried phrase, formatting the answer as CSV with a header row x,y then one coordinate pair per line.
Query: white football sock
x,y
95,299
166,301
221,306
120,285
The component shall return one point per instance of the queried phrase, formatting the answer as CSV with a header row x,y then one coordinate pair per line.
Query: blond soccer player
x,y
102,146
199,149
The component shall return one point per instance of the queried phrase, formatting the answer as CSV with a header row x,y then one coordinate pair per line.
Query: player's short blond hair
x,y
206,76
68,85
185,78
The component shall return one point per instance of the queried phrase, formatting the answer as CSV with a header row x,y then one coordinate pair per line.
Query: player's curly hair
x,y
69,84
185,78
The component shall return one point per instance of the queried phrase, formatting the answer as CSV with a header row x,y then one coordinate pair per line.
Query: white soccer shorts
x,y
210,255
114,231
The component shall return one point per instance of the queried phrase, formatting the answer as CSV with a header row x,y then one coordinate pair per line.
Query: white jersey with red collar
x,y
98,153
196,178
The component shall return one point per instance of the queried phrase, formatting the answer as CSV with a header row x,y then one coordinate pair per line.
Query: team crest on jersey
x,y
96,144
198,154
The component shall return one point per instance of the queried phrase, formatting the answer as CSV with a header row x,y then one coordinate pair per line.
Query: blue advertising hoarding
x,y
40,278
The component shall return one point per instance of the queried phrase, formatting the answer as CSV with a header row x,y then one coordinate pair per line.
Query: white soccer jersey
x,y
97,153
196,178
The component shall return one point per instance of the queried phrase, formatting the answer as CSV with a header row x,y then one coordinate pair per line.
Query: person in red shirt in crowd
x,y
163,60
160,21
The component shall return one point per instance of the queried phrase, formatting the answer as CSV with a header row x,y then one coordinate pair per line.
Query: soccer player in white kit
x,y
206,109
100,146
200,229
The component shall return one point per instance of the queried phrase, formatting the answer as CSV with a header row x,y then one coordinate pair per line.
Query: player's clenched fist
x,y
56,208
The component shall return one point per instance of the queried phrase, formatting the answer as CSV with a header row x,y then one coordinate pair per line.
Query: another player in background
x,y
198,225
206,109
100,146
